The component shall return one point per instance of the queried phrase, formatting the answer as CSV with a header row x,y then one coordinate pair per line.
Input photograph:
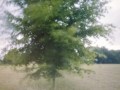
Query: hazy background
x,y
112,17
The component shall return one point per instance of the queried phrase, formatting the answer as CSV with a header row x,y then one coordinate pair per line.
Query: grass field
x,y
106,77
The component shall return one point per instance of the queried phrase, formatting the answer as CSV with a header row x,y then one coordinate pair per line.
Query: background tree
x,y
101,55
52,34
108,56
11,57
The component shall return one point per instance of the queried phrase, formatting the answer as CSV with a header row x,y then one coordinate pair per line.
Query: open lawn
x,y
106,77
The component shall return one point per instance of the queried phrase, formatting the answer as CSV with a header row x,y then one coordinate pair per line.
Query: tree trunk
x,y
54,78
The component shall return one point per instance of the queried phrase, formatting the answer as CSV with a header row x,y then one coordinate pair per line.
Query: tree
x,y
106,56
11,57
101,55
52,34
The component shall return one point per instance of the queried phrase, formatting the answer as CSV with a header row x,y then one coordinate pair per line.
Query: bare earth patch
x,y
106,77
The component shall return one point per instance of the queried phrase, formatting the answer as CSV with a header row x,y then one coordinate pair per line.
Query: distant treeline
x,y
105,56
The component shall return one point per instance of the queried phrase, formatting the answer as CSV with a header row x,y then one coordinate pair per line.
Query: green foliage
x,y
12,57
55,33
108,56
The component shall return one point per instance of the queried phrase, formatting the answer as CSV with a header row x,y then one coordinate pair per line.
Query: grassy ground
x,y
106,77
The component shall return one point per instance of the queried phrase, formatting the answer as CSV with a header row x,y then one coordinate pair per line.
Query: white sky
x,y
112,17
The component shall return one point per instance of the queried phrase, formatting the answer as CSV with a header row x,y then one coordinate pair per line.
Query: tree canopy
x,y
54,34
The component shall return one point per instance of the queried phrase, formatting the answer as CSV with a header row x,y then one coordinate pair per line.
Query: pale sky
x,y
112,17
